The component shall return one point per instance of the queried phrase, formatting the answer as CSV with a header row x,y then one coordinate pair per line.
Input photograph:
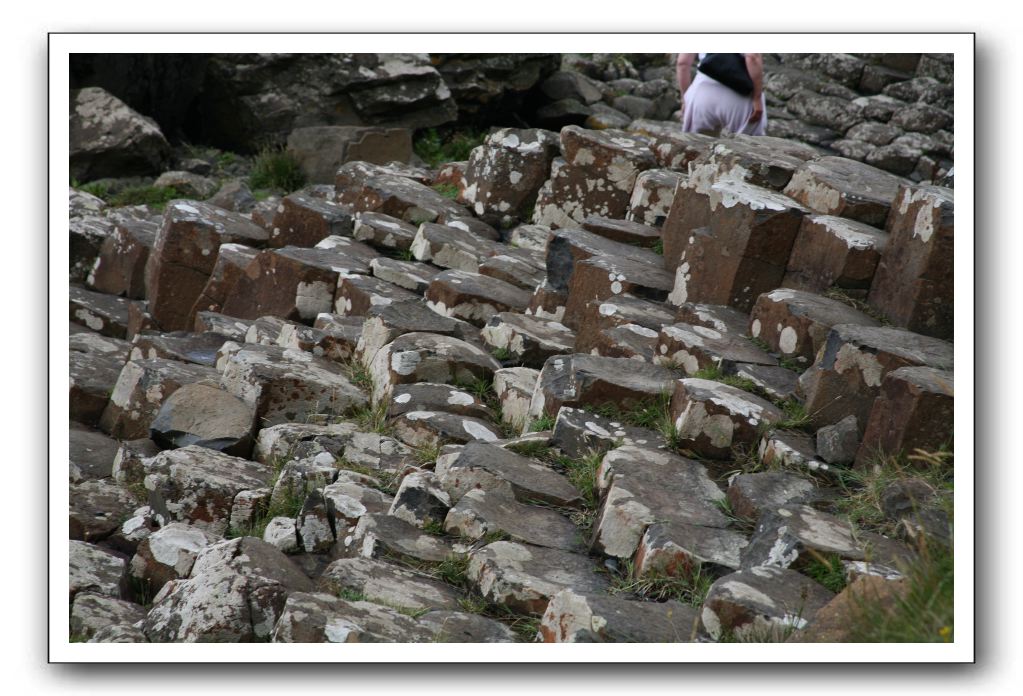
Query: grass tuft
x,y
437,148
446,190
690,589
274,168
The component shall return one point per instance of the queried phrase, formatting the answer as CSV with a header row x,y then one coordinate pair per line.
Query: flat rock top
x,y
548,569
924,350
731,398
850,176
819,308
725,346
531,478
729,193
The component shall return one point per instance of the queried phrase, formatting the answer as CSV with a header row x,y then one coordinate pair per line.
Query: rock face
x,y
576,618
109,138
711,417
321,150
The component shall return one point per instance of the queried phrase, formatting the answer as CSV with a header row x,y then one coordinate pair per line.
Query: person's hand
x,y
758,110
682,106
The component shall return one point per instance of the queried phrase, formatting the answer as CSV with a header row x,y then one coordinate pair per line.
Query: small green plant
x,y
446,190
275,168
495,535
432,526
436,148
690,588
78,638
582,473
453,570
473,604
425,454
827,570
154,196
372,419
405,255
796,417
658,247
501,354
544,422
358,374
536,449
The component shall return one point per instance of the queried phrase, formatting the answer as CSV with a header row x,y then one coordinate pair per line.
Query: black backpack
x,y
729,69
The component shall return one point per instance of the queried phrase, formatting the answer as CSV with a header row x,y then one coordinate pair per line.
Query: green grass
x,y
405,255
437,148
425,454
274,168
688,589
153,196
827,570
357,374
714,373
501,354
372,419
432,526
652,414
446,190
924,613
289,504
658,247
796,417
544,422
78,638
582,473
537,449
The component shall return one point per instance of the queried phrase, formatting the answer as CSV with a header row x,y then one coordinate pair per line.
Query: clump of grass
x,y
582,473
154,196
653,414
544,422
425,454
501,354
537,449
436,148
405,255
446,190
658,247
453,570
715,374
922,613
432,526
796,417
827,570
287,504
275,168
357,374
372,419
690,588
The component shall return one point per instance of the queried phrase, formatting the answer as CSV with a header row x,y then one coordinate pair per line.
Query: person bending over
x,y
711,108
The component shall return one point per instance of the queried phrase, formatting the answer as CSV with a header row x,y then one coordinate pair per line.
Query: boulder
x,y
97,509
602,315
415,277
204,415
451,247
680,549
321,150
121,263
381,535
168,554
473,297
696,348
527,340
652,197
97,570
578,433
105,314
605,277
356,294
435,428
761,161
837,443
371,188
420,500
388,584
483,512
794,535
109,138
91,613
198,349
427,357
141,389
514,388
90,454
751,495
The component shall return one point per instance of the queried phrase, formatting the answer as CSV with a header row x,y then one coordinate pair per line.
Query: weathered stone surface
x,y
323,618
523,268
504,175
514,388
94,569
473,297
837,443
459,627
572,617
651,199
721,318
568,247
108,138
853,362
605,277
321,150
356,294
234,195
230,328
761,604
198,485
484,466
371,188
600,315
435,428
761,161
679,549
349,498
913,285
287,385
532,237
415,277
849,189
141,389
264,331
303,220
383,231
232,262
420,500
627,341
836,621
97,509
496,511
425,396
750,495
579,379
105,314
793,535
91,381
913,410
528,340
524,577
712,417
128,465
121,262
795,323
578,432
196,348
282,534
919,510
834,251
387,323
451,247
90,454
388,584
91,613
119,633
696,348
819,110
204,415
427,357
791,450
624,231
236,592
382,535
314,524
168,554
673,148
185,254
641,486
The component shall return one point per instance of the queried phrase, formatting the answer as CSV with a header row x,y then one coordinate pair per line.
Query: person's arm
x,y
755,66
684,74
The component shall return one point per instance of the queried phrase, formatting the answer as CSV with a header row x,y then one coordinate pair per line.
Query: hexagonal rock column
x,y
371,188
524,577
627,341
578,618
483,512
729,244
913,285
850,367
120,267
641,486
679,549
482,466
92,613
435,428
793,535
427,357
504,175
576,380
184,255
379,535
523,268
514,387
652,196
795,323
696,348
105,314
356,294
527,340
97,509
451,247
844,187
198,485
761,604
287,385
834,251
95,569
141,390
600,315
569,246
791,450
93,374
914,410
712,417
578,432
388,322
596,176
624,231
405,274
383,231
201,414
388,583
424,396
761,161
302,220
473,297
605,277
750,495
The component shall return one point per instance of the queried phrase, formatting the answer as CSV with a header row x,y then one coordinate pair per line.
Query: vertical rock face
x,y
843,187
185,254
120,267
834,251
913,285
108,138
730,243
321,150
302,220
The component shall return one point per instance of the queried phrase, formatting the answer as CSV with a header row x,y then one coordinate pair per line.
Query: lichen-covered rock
x,y
695,348
578,432
711,417
473,297
388,584
120,265
495,510
838,186
168,554
94,569
420,500
603,278
108,138
427,357
97,509
762,161
514,388
91,613
793,535
652,196
381,535
105,314
371,188
434,428
528,340
573,617
837,443
834,251
317,617
680,549
303,220
357,294
200,414
601,315
90,454
750,495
